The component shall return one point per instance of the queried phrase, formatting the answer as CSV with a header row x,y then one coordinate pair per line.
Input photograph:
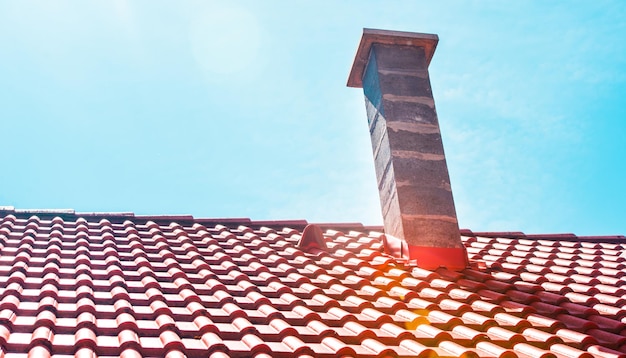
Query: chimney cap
x,y
387,37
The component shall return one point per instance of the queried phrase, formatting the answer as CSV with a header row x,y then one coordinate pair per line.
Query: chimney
x,y
413,181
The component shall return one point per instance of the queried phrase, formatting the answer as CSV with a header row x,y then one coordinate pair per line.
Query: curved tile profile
x,y
120,285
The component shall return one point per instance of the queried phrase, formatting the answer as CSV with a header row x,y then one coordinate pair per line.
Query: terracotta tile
x,y
604,352
578,310
607,324
337,347
354,332
128,338
5,332
85,352
512,268
42,335
477,320
581,299
610,311
86,337
443,320
607,339
423,274
492,296
576,339
171,341
402,293
378,348
417,349
389,305
432,332
551,298
489,349
432,294
373,318
130,352
39,351
503,282
567,351
547,309
420,305
397,332
521,297
213,342
468,333
540,338
508,320
297,346
533,351
504,337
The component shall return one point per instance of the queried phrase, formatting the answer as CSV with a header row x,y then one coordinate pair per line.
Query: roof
x,y
105,284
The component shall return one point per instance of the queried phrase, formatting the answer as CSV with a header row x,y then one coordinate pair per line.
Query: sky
x,y
240,109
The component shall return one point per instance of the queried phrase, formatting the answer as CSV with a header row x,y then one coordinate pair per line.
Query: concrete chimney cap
x,y
387,37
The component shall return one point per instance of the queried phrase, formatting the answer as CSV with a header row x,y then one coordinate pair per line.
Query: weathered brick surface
x,y
411,112
424,173
420,200
442,233
395,57
404,85
416,142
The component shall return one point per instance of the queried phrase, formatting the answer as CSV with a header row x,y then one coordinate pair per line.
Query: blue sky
x,y
240,109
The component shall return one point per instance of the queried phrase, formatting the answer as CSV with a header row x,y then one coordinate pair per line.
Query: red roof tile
x,y
105,284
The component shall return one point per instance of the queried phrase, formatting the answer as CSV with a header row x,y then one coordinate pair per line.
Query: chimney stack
x,y
413,181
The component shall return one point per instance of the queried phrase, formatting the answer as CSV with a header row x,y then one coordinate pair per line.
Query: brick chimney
x,y
413,181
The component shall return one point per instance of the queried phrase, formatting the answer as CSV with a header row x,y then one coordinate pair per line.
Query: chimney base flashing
x,y
427,257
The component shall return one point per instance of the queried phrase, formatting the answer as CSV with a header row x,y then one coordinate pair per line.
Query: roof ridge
x,y
547,237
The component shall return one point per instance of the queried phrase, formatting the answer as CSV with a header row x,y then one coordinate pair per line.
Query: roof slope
x,y
117,284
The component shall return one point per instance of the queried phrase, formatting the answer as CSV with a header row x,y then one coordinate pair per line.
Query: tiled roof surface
x,y
90,285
